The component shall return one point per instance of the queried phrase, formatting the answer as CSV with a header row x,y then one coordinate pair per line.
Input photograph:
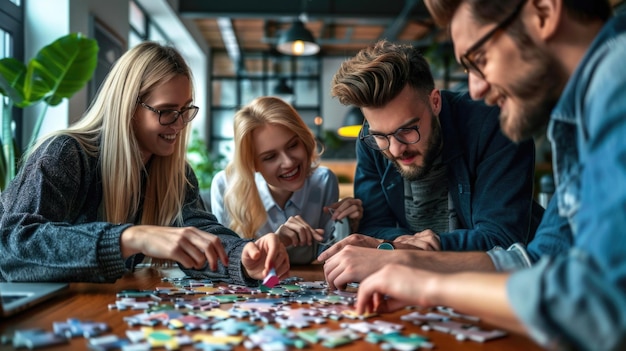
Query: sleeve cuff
x,y
511,259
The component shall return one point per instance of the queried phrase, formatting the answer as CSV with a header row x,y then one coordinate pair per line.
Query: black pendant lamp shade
x,y
297,41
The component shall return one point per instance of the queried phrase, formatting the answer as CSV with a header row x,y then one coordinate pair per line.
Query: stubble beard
x,y
539,91
415,172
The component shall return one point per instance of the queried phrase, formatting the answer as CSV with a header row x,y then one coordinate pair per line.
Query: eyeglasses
x,y
167,117
467,62
381,142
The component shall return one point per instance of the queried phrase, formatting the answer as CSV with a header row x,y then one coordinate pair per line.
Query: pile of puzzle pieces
x,y
289,314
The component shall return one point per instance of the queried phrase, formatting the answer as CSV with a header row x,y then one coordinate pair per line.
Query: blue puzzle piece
x,y
74,327
234,327
397,341
35,338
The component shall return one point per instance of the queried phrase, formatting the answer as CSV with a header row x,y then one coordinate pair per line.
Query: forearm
x,y
478,294
79,253
446,261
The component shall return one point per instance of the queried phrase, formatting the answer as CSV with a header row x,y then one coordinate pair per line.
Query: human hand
x,y
425,240
189,246
394,287
350,208
353,240
297,232
353,264
263,254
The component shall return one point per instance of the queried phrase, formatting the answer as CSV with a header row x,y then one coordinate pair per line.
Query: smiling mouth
x,y
291,174
168,136
407,157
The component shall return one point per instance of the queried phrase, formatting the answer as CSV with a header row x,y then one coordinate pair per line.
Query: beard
x,y
539,91
433,150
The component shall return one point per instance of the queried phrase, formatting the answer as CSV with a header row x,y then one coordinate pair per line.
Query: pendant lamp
x,y
297,41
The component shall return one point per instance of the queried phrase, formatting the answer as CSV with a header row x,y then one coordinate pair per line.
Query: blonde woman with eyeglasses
x,y
91,201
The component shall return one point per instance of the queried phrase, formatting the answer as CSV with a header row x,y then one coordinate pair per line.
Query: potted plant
x,y
204,164
58,71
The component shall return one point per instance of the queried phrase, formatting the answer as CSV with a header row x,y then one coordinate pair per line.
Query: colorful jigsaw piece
x,y
210,342
74,327
271,279
234,327
397,341
35,338
271,339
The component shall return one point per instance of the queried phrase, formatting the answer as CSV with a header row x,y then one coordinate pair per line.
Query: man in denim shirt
x,y
570,75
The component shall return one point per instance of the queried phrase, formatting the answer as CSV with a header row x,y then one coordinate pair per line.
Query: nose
x,y
286,160
179,124
478,87
396,148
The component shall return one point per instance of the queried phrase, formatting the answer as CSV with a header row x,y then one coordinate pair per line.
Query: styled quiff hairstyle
x,y
106,131
241,199
378,73
488,11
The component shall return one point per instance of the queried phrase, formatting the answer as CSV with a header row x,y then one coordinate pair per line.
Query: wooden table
x,y
87,301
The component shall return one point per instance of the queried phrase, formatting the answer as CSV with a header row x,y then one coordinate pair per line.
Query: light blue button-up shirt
x,y
319,190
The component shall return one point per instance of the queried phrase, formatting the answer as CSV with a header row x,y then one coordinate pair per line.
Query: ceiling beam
x,y
392,32
387,10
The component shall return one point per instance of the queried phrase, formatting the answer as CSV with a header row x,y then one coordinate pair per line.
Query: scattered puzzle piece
x,y
298,318
35,338
419,318
234,327
397,341
107,343
464,331
329,338
376,326
210,342
74,327
170,339
270,338
271,279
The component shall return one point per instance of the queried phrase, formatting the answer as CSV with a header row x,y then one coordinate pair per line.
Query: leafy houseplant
x,y
58,71
204,164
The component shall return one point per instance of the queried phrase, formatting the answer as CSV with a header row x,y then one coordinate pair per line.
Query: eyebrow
x,y
168,106
410,122
273,150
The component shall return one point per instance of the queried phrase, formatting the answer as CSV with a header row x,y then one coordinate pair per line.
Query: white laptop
x,y
16,297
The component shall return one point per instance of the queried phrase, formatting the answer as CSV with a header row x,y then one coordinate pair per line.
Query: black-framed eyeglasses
x,y
467,62
167,117
381,142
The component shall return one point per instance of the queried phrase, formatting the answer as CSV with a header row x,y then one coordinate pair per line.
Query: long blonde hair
x,y
242,200
105,131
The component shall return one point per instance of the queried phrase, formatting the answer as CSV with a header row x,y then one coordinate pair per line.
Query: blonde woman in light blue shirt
x,y
274,184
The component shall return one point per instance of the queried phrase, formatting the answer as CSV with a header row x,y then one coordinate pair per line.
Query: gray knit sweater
x,y
51,229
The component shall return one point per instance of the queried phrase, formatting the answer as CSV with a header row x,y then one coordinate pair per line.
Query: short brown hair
x,y
378,73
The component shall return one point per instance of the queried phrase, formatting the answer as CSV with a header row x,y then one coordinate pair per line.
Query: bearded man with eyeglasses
x,y
434,170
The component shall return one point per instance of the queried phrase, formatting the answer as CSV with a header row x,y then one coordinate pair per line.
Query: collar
x,y
297,198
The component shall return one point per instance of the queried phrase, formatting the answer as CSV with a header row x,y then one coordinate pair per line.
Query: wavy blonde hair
x,y
241,199
105,131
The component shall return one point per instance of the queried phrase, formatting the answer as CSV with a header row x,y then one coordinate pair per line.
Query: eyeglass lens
x,y
382,142
170,116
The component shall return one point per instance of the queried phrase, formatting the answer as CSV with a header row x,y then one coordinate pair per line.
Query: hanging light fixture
x,y
352,123
297,41
284,91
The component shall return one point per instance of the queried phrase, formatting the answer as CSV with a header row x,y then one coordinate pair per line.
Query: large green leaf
x,y
58,71
66,66
12,73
